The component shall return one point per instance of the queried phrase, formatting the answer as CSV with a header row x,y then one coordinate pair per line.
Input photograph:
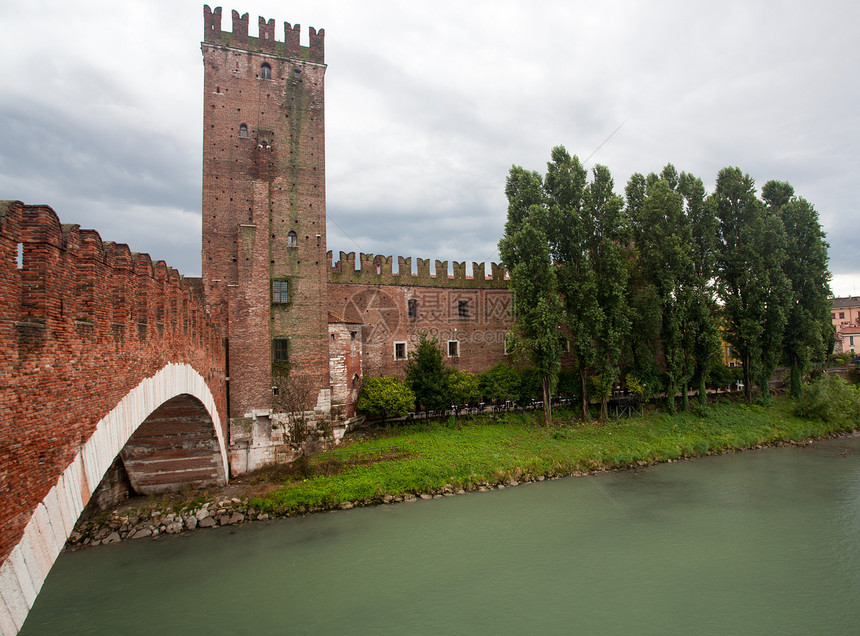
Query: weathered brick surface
x,y
263,182
82,322
383,311
345,363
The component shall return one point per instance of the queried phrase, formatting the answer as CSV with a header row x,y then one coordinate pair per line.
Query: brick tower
x,y
264,238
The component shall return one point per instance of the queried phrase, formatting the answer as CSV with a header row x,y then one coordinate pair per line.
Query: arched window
x,y
292,239
265,71
243,131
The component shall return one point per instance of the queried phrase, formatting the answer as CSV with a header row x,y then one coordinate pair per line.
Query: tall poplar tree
x,y
610,254
704,320
525,252
809,330
752,285
570,234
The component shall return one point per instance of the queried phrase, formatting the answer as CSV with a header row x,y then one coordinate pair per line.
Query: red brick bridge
x,y
102,353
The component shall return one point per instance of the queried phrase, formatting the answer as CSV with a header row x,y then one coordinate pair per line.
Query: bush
x,y
426,374
531,387
499,383
831,399
382,397
463,387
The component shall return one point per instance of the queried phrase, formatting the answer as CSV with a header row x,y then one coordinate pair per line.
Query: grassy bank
x,y
425,457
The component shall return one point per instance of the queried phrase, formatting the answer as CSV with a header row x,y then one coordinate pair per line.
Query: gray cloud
x,y
428,106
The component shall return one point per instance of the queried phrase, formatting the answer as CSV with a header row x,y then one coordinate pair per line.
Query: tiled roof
x,y
846,302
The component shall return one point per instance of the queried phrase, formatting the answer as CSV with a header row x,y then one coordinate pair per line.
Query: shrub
x,y
831,399
499,383
426,374
463,387
382,397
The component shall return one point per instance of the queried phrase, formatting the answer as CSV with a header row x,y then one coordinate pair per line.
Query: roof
x,y
845,302
334,318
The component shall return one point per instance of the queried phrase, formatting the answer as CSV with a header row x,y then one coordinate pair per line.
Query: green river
x,y
763,542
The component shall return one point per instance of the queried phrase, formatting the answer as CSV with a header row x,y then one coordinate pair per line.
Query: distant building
x,y
845,316
845,312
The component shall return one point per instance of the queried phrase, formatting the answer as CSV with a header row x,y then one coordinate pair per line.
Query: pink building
x,y
845,312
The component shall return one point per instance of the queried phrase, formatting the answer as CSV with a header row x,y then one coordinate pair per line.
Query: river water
x,y
764,542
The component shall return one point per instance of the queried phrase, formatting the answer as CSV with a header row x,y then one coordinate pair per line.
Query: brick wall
x,y
478,325
264,200
82,322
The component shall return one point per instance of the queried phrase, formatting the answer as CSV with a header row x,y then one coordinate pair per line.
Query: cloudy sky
x,y
428,104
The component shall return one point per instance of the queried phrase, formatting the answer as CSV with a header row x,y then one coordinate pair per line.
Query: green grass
x,y
425,457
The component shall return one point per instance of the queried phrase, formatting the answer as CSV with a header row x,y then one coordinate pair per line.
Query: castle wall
x,y
82,322
477,319
345,366
264,203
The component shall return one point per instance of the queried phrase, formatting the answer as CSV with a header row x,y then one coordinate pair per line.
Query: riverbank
x,y
444,458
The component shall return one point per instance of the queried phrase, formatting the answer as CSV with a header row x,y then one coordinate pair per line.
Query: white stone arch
x,y
25,570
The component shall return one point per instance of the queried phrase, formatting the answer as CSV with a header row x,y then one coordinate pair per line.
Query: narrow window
x,y
833,315
453,348
842,314
292,239
399,350
413,308
352,335
280,292
265,71
354,380
509,344
19,256
851,340
281,350
243,131
463,308
332,337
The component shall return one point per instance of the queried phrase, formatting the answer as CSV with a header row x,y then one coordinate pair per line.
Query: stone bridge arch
x,y
168,428
94,340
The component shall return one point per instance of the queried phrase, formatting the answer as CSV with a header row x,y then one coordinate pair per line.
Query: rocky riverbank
x,y
141,522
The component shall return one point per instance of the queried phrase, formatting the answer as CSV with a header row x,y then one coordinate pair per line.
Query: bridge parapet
x,y
82,322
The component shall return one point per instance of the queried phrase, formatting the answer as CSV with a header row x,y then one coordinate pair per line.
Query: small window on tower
x,y
243,131
265,71
453,348
280,292
413,308
292,239
463,308
281,350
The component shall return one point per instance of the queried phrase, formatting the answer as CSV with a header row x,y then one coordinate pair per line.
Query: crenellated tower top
x,y
265,42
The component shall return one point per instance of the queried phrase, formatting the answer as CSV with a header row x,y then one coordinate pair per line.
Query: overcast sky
x,y
428,104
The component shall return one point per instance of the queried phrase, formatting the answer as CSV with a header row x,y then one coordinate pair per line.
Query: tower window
x,y
280,292
292,239
413,308
463,308
243,131
281,350
399,350
453,348
265,71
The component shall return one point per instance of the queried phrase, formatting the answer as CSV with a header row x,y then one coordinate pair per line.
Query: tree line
x,y
644,287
